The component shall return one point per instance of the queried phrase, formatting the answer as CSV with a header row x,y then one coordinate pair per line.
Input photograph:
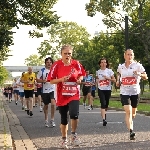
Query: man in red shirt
x,y
67,74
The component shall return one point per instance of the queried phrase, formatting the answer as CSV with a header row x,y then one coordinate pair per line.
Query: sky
x,y
68,10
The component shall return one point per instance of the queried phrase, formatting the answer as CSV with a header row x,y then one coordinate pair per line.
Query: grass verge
x,y
117,104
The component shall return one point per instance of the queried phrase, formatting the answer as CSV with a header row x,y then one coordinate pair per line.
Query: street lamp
x,y
126,32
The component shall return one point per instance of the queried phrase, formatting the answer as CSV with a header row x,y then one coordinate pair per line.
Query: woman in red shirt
x,y
67,74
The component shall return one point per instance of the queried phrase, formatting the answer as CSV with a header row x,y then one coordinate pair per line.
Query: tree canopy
x,y
34,60
3,75
29,12
60,34
114,12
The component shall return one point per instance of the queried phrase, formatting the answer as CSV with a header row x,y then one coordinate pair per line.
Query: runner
x,y
15,90
47,91
35,96
93,89
29,80
131,73
67,73
39,91
87,89
21,92
6,93
10,90
105,76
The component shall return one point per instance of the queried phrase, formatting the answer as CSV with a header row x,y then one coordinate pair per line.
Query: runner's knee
x,y
64,120
74,117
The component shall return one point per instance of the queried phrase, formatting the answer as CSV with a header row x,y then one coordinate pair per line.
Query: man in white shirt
x,y
47,91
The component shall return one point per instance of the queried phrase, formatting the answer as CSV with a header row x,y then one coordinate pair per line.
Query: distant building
x,y
96,33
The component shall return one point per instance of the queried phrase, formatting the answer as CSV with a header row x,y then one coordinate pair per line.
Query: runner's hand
x,y
64,79
136,73
106,77
78,81
117,84
27,81
44,81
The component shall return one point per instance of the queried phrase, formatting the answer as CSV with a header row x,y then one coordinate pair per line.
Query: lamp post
x,y
126,32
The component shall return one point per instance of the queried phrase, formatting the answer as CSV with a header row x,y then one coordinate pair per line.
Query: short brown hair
x,y
107,66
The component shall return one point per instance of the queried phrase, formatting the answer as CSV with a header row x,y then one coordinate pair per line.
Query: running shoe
x,y
74,140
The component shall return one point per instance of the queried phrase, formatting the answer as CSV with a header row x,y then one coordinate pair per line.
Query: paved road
x,y
90,130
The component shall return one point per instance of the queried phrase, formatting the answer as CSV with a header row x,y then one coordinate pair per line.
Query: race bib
x,y
9,91
104,82
30,85
69,88
129,81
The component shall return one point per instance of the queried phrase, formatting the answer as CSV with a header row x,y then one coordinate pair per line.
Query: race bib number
x,y
9,91
69,89
104,82
129,81
30,85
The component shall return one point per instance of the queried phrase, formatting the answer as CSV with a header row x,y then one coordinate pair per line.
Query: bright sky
x,y
69,10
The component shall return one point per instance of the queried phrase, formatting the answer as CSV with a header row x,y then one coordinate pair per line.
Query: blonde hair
x,y
128,50
66,46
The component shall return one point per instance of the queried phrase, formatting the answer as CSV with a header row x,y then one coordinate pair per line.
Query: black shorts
x,y
47,97
104,96
6,94
16,92
132,100
36,94
28,93
10,95
39,91
93,93
73,109
86,90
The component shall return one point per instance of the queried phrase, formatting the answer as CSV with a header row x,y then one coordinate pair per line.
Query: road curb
x,y
5,134
19,136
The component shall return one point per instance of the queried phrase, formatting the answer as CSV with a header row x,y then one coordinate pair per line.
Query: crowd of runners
x,y
59,84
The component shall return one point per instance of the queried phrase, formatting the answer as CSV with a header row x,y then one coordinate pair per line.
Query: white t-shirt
x,y
129,81
104,84
21,88
15,87
46,87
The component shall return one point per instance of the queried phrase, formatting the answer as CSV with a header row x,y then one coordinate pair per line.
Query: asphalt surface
x,y
92,134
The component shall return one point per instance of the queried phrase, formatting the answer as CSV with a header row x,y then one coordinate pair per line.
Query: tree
x,y
19,12
3,75
60,34
34,60
114,10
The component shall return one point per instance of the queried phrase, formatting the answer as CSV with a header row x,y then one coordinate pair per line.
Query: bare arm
x,y
40,81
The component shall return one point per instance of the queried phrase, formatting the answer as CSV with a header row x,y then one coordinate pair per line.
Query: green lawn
x,y
146,94
117,104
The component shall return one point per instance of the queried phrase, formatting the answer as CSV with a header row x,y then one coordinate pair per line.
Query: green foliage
x,y
60,34
28,12
139,21
3,75
34,60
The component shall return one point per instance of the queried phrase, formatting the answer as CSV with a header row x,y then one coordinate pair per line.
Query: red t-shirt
x,y
68,91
